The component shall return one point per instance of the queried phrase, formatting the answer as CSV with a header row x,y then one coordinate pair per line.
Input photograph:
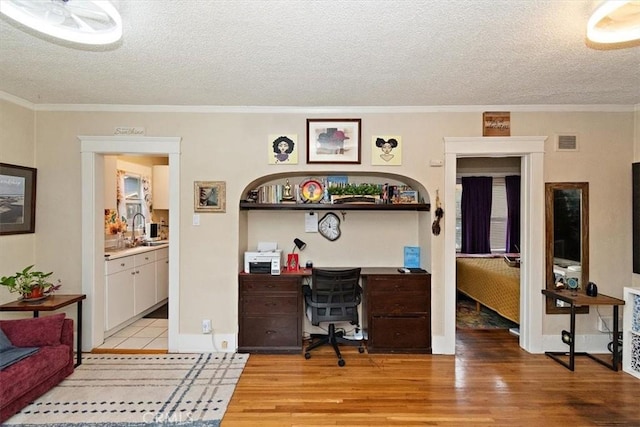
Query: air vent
x,y
567,143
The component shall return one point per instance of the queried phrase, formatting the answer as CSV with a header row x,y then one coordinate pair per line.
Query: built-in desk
x,y
396,311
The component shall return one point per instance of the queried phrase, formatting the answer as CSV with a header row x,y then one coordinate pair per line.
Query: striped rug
x,y
140,390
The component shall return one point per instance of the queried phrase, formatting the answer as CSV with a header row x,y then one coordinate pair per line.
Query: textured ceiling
x,y
328,53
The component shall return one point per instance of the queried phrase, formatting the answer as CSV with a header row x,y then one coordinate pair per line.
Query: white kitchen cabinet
x,y
145,281
160,187
119,291
631,332
162,274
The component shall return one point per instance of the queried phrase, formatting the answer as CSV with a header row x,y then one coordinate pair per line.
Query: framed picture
x,y
333,141
283,149
386,150
209,196
496,124
17,199
407,196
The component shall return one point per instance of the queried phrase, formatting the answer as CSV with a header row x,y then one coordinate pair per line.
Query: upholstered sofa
x,y
37,373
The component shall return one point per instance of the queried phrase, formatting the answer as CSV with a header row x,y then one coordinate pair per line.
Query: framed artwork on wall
x,y
17,199
209,196
386,150
283,149
333,141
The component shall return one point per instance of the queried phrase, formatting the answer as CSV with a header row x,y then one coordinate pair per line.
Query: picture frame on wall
x,y
17,199
209,196
283,149
386,150
333,141
496,123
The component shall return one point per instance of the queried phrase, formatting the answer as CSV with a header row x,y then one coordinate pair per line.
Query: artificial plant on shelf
x,y
30,283
354,190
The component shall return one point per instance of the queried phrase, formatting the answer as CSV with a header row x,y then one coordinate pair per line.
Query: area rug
x,y
140,390
468,318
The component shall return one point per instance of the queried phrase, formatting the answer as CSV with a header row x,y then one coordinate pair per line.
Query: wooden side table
x,y
580,299
54,302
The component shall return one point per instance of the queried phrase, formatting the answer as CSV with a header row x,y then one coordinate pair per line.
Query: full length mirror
x,y
567,220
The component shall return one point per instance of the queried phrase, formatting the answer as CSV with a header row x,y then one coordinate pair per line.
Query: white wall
x,y
232,147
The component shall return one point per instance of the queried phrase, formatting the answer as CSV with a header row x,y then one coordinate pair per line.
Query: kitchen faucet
x,y
133,227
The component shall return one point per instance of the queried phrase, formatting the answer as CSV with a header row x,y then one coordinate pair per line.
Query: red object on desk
x,y
293,263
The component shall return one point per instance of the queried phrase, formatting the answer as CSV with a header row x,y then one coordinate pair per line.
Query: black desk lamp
x,y
293,263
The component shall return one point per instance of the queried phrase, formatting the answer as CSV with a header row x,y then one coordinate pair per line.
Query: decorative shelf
x,y
336,207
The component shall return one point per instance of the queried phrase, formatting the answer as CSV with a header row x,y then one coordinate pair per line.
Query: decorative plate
x,y
311,191
572,283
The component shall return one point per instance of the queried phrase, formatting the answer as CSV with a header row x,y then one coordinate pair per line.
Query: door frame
x,y
93,149
530,149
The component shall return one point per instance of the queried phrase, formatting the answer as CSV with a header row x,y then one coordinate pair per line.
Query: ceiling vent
x,y
567,142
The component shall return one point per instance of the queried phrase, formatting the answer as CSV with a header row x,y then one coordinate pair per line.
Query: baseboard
x,y
207,343
583,343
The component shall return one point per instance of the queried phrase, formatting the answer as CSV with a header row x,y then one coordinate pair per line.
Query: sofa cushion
x,y
34,332
10,354
23,376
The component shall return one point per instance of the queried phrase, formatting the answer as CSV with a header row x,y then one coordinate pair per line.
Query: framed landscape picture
x,y
209,196
333,141
17,199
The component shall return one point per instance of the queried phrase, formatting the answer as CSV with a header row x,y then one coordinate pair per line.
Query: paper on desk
x,y
310,222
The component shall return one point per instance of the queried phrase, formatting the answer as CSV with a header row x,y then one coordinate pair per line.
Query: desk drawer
x,y
269,284
253,304
398,303
401,334
270,332
398,283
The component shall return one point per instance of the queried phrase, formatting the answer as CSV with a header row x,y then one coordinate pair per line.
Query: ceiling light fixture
x,y
615,21
92,22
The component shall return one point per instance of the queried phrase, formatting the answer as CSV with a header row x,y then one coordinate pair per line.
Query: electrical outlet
x,y
224,345
206,326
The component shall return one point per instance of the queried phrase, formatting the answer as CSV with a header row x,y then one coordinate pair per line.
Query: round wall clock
x,y
329,226
572,282
311,191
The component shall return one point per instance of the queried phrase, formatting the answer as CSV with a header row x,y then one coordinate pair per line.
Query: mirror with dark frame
x,y
567,244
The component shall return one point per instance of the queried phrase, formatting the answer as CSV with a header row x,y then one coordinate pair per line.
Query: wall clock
x,y
329,226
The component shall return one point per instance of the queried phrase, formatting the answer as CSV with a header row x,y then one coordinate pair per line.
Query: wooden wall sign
x,y
496,124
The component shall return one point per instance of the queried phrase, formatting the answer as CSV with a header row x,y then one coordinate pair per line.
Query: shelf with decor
x,y
631,328
333,193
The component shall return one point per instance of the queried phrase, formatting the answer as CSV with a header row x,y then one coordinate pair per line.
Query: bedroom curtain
x,y
512,186
475,206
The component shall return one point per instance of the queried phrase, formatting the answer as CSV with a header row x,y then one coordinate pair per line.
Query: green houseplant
x,y
30,283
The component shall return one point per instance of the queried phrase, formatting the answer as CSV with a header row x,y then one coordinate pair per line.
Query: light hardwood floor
x,y
489,382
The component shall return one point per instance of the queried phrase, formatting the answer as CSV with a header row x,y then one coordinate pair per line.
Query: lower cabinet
x,y
119,291
162,274
145,281
398,312
270,314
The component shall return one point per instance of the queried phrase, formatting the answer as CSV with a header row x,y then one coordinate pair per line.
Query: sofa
x,y
35,374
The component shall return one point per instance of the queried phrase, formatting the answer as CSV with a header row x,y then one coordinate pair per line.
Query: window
x,y
133,198
498,232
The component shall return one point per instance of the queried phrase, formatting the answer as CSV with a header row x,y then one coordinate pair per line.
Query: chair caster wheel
x,y
341,362
360,350
307,355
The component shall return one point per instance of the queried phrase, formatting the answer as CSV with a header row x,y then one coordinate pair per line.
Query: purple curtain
x,y
512,185
476,214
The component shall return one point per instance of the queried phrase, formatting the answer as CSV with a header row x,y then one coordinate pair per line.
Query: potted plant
x,y
30,284
354,193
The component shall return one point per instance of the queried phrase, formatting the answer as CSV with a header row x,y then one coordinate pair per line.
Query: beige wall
x,y
17,147
233,148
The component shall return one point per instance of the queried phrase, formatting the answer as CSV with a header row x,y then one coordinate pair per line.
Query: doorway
x,y
93,149
531,152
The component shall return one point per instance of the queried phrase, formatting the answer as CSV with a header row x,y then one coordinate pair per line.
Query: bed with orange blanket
x,y
490,281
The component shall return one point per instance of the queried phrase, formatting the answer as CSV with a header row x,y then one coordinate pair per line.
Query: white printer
x,y
267,259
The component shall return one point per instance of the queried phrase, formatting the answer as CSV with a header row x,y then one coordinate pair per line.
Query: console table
x,y
580,299
54,302
396,311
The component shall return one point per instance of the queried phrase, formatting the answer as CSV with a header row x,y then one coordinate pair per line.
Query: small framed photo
x,y
386,150
209,196
407,196
283,149
333,141
496,123
17,199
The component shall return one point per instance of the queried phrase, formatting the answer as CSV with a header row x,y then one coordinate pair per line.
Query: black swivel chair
x,y
334,296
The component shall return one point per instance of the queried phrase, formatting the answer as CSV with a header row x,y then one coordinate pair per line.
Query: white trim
x,y
205,343
18,101
531,151
93,149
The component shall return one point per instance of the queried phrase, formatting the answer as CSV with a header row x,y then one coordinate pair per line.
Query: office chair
x,y
334,296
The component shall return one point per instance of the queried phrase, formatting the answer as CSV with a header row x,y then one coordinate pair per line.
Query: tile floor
x,y
145,333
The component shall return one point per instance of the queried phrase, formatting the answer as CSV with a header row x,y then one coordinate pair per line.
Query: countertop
x,y
111,255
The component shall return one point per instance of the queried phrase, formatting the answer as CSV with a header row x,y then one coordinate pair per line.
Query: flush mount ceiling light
x,y
93,22
615,21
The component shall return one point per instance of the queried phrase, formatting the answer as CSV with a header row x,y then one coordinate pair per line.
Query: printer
x,y
263,261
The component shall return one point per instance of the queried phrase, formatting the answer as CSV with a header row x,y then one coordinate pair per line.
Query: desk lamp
x,y
293,263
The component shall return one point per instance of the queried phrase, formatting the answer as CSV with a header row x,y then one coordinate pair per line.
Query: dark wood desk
x,y
54,302
580,299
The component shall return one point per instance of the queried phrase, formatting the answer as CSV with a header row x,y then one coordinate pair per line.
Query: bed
x,y
492,282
